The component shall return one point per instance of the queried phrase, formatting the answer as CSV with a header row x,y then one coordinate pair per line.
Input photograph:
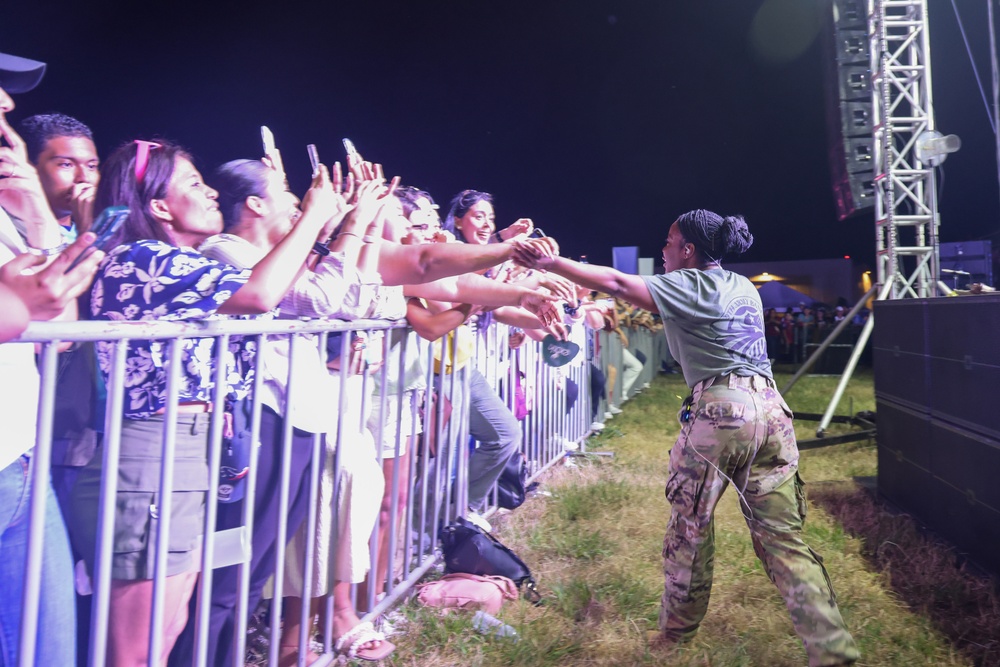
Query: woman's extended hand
x,y
536,253
563,288
521,227
558,331
541,306
363,170
320,202
515,339
368,202
341,196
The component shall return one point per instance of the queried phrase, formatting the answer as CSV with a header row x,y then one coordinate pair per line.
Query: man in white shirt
x,y
30,290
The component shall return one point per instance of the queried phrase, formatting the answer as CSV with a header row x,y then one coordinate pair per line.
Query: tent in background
x,y
775,295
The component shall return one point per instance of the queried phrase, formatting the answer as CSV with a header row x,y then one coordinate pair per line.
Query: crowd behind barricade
x,y
257,402
254,397
791,332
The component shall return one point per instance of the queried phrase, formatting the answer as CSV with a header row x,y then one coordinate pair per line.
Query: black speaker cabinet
x,y
937,379
849,107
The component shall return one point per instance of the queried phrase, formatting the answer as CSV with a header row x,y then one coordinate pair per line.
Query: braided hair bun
x,y
735,235
713,235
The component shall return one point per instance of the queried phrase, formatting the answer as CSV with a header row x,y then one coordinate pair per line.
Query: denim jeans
x,y
499,436
56,639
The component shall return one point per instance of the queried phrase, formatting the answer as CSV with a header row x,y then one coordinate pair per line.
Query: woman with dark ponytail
x,y
735,429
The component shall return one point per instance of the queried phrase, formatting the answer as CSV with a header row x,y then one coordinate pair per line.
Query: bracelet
x,y
48,252
320,249
497,237
348,234
368,238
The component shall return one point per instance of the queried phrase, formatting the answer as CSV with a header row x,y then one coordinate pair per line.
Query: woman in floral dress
x,y
154,273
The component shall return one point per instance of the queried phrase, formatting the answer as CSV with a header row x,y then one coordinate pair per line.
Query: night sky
x,y
600,120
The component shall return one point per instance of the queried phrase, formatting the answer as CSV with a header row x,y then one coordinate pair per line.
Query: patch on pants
x,y
724,414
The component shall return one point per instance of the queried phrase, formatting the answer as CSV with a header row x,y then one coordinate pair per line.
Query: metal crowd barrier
x,y
560,414
652,345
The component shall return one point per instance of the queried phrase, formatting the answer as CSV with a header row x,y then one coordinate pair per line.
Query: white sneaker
x,y
476,519
615,410
608,415
645,386
570,445
597,427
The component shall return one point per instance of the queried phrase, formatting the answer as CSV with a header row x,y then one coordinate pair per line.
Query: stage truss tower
x,y
906,213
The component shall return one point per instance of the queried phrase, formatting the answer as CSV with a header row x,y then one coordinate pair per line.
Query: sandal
x,y
350,643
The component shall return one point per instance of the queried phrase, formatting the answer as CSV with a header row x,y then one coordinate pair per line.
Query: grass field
x,y
594,547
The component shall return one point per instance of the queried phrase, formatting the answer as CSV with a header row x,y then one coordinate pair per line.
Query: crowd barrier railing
x,y
554,404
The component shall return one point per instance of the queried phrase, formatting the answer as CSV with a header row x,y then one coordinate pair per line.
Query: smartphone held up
x,y
352,153
106,228
271,151
313,158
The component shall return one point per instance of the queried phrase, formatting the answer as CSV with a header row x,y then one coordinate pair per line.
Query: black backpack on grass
x,y
468,549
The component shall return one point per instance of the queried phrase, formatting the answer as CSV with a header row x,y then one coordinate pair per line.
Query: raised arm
x,y
471,288
411,264
543,254
431,326
535,307
21,193
272,276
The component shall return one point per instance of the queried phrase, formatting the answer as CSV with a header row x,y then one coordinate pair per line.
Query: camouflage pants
x,y
739,430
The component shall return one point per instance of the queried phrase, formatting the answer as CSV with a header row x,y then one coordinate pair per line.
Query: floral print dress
x,y
152,280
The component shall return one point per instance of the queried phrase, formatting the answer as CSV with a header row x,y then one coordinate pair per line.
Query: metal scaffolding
x,y
906,213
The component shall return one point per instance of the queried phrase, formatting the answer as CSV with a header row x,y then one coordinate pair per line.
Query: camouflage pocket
x,y
684,488
671,488
800,496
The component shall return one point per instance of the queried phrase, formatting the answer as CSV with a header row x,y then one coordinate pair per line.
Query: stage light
x,y
933,147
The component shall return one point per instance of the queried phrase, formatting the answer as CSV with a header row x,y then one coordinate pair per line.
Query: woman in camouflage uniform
x,y
735,429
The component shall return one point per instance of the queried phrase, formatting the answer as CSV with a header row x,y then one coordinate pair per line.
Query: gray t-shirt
x,y
713,321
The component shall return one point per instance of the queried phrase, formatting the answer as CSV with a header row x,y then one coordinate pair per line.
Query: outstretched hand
x,y
48,291
542,306
320,201
558,331
563,288
521,227
342,194
536,253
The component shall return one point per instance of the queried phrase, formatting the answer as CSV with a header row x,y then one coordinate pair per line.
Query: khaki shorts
x,y
137,500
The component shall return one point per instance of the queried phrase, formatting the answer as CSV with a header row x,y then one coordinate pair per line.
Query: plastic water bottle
x,y
491,625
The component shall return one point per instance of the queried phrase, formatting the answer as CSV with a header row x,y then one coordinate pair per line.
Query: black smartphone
x,y
537,233
106,226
